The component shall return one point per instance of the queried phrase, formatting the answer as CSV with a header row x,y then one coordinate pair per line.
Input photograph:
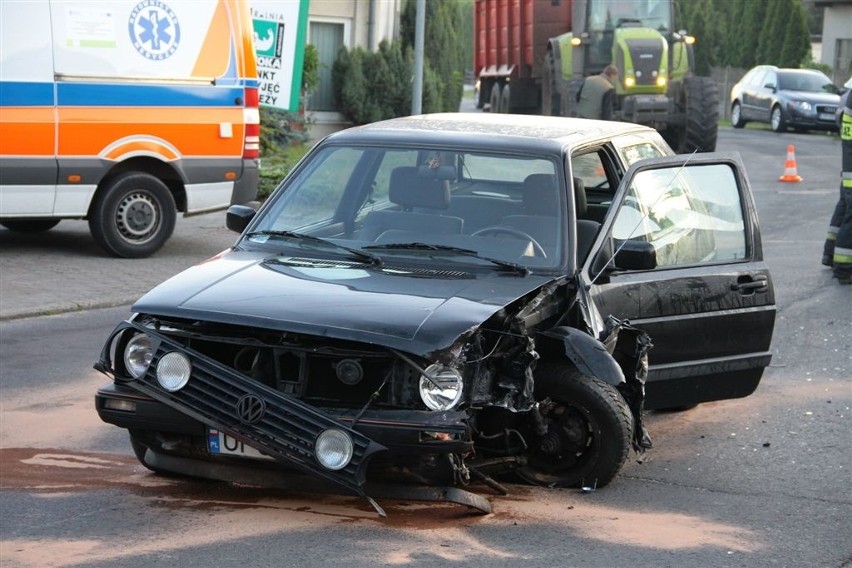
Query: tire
x,y
139,449
550,100
776,120
590,428
737,116
494,101
505,99
132,215
33,226
701,105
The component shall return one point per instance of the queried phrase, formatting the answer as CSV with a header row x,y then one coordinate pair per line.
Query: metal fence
x,y
726,78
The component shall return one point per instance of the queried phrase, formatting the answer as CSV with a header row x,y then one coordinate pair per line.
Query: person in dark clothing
x,y
837,252
596,94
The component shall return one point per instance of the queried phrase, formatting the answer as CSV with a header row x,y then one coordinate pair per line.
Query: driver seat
x,y
541,208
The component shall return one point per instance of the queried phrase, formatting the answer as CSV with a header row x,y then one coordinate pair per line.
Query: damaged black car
x,y
441,300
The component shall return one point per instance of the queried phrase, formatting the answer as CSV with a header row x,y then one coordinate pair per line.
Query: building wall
x,y
837,40
364,23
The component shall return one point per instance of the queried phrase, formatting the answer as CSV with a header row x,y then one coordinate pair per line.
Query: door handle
x,y
748,285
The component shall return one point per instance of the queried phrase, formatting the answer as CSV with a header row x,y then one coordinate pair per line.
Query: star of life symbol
x,y
154,30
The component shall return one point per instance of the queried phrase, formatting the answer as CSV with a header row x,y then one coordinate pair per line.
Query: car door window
x,y
690,215
590,169
641,151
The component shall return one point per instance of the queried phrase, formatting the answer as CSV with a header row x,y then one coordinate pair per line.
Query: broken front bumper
x,y
217,396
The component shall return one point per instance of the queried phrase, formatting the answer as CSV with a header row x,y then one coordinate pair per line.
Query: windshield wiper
x,y
428,247
364,256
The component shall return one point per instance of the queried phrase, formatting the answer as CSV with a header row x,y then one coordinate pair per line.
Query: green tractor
x,y
656,86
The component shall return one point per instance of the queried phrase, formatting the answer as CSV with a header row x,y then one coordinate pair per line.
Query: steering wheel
x,y
517,233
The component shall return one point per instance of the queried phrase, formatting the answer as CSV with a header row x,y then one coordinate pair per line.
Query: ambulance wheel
x,y
132,215
36,226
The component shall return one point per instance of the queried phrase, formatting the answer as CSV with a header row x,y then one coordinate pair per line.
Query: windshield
x,y
610,14
805,82
493,210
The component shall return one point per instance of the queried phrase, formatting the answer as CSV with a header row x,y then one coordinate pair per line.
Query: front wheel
x,y
140,448
494,101
589,429
34,226
776,120
737,116
132,215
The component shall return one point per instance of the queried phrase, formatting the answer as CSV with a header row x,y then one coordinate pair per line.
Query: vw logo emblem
x,y
250,409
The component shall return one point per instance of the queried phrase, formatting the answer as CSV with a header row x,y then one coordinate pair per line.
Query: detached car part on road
x,y
446,299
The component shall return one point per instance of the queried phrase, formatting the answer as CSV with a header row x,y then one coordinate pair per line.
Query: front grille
x,y
285,428
646,55
307,367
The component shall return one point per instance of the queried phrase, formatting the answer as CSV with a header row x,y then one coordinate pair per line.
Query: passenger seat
x,y
411,189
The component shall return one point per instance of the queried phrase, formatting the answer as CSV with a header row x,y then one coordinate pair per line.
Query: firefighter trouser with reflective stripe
x,y
838,245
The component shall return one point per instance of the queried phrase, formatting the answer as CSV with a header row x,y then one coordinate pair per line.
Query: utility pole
x,y
419,32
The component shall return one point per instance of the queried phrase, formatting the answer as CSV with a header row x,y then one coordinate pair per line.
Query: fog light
x,y
442,389
119,404
334,449
173,370
138,355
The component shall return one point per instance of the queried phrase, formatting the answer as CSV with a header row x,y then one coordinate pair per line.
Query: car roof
x,y
801,71
486,130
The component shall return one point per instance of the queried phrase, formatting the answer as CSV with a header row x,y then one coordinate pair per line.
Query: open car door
x,y
688,269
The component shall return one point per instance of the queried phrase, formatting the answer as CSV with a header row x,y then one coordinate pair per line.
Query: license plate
x,y
826,116
219,443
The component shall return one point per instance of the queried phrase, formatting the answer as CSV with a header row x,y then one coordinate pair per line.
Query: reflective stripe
x,y
842,255
831,236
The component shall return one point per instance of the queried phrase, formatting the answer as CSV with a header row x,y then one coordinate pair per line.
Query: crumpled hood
x,y
419,314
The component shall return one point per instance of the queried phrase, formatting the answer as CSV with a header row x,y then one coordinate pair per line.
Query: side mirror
x,y
635,255
238,217
770,86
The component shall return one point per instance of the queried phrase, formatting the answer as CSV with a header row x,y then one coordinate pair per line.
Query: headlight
x,y
173,370
334,449
444,390
802,106
138,355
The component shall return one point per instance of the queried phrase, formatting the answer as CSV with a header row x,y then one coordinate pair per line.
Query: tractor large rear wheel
x,y
700,104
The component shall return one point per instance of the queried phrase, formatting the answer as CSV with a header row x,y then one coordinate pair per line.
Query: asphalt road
x,y
761,481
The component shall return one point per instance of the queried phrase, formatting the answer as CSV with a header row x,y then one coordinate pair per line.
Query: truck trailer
x,y
531,56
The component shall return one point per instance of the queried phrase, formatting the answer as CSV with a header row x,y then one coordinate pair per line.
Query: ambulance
x,y
126,113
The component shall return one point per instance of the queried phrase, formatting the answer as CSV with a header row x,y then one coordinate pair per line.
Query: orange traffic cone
x,y
790,173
